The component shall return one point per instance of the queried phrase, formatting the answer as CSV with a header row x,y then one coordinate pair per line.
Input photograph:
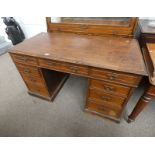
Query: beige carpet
x,y
25,115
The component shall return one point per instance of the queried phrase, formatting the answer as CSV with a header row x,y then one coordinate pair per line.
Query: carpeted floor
x,y
25,115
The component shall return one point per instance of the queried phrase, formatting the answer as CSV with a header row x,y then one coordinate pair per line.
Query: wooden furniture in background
x,y
147,42
94,26
113,66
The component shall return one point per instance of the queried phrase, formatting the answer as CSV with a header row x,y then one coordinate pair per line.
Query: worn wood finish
x,y
115,53
28,70
103,97
112,61
106,98
103,111
93,29
23,59
38,89
64,67
36,82
117,77
116,89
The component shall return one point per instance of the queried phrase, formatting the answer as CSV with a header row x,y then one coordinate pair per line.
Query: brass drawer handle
x,y
51,63
32,79
26,70
23,59
74,69
106,98
112,76
108,88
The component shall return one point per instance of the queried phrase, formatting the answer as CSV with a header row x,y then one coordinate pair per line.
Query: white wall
x,y
32,25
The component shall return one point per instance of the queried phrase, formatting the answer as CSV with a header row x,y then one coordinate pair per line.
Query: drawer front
x,y
33,79
38,89
106,105
126,79
110,87
66,67
24,59
100,109
28,70
103,98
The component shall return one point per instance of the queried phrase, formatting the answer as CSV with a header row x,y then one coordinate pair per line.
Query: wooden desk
x,y
113,65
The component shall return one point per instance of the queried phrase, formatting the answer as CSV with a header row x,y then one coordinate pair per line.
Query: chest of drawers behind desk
x,y
108,91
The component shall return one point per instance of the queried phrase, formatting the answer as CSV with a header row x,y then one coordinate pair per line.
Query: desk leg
x,y
142,103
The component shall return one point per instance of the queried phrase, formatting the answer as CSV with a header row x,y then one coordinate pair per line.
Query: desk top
x,y
115,53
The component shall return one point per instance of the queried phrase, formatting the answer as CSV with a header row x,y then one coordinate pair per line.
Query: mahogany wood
x,y
115,53
102,97
114,62
116,89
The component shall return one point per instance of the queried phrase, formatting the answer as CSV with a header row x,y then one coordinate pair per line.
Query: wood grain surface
x,y
115,53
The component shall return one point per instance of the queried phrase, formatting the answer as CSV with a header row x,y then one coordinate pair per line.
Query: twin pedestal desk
x,y
114,66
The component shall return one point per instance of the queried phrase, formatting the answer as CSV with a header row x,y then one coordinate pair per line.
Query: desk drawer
x,y
24,59
32,79
38,89
104,98
110,87
62,66
28,70
101,109
117,77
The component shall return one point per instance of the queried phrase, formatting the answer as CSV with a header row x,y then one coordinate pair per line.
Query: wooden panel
x,y
24,59
64,67
38,89
110,87
93,28
32,78
103,98
109,105
27,70
127,79
101,109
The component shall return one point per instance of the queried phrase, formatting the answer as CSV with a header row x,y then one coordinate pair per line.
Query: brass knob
x,y
74,69
24,59
108,88
112,76
26,71
106,98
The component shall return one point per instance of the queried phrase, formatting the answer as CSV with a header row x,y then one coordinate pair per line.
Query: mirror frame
x,y
93,29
